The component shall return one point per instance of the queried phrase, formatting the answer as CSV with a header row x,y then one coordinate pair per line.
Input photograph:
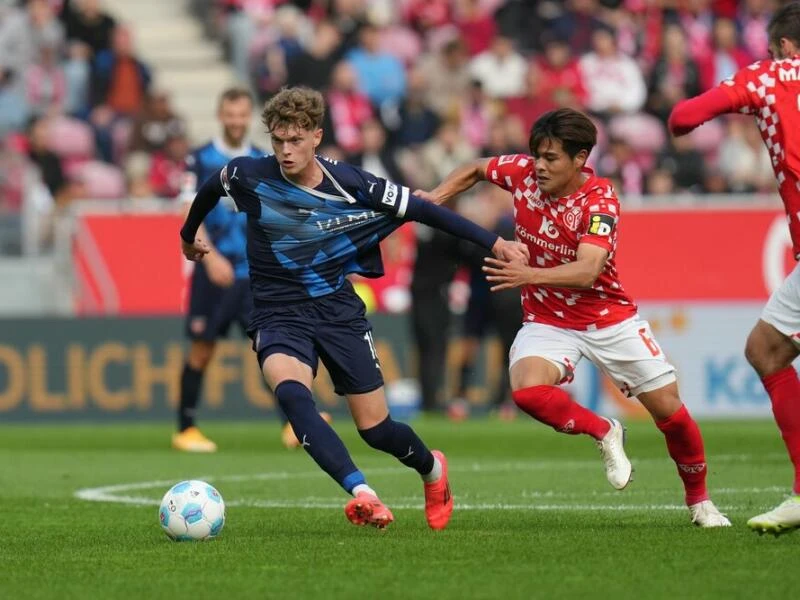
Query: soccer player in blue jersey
x,y
310,223
220,288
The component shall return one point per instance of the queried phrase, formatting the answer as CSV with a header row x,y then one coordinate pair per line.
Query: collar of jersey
x,y
345,197
223,148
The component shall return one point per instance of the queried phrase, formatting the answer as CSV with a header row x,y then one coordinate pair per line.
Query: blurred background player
x,y
499,313
325,221
770,90
574,304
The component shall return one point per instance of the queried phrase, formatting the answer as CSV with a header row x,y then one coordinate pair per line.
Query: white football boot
x,y
619,471
706,515
782,519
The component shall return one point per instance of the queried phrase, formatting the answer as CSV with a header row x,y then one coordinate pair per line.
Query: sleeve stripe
x,y
401,210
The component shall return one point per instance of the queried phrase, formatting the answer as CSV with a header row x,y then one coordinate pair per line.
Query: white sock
x,y
435,474
363,487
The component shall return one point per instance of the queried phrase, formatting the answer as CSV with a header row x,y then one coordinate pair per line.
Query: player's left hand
x,y
505,274
511,251
195,252
429,196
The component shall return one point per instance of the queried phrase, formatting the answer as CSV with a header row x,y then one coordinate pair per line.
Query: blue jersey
x,y
303,242
226,227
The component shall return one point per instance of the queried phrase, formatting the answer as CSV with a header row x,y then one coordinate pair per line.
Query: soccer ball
x,y
192,510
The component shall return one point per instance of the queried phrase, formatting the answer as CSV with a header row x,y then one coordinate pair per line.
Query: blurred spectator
x,y
424,15
684,162
726,56
49,164
660,183
156,124
417,122
614,81
347,109
578,24
697,19
13,108
375,156
312,66
675,75
119,84
560,73
45,81
243,18
381,76
475,115
743,159
77,75
536,100
752,21
501,70
273,47
476,26
620,162
447,74
86,22
23,32
168,165
442,154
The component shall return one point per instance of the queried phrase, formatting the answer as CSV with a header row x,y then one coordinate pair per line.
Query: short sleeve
x,y
505,171
746,89
379,193
600,218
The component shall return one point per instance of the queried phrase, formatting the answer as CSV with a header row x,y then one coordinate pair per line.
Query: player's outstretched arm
x,y
689,114
450,222
456,182
204,202
580,274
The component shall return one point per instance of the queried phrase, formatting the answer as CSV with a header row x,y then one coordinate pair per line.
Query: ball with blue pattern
x,y
192,511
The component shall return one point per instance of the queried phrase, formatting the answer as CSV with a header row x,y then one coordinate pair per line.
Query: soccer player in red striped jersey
x,y
574,304
770,90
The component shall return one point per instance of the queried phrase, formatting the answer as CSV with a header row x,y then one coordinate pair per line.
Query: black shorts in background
x,y
212,309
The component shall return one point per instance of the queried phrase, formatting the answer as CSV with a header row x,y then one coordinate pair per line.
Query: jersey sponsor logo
x,y
572,218
391,194
344,222
548,228
601,224
563,249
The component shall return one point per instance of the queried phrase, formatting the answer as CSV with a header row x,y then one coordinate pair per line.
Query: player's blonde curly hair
x,y
299,107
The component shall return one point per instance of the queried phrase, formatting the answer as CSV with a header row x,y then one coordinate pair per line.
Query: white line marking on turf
x,y
115,493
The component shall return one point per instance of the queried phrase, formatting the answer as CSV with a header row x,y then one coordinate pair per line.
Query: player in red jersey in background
x,y
770,90
574,305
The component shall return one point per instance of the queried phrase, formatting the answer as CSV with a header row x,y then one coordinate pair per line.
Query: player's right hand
x,y
511,251
220,270
195,252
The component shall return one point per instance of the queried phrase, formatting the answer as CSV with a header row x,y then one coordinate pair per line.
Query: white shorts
x,y
783,307
626,352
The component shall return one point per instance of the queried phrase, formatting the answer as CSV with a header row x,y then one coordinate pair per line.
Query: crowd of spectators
x,y
414,87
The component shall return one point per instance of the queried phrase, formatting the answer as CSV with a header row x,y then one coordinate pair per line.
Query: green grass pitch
x,y
534,517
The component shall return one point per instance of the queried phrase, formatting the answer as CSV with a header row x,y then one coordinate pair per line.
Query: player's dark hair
x,y
571,127
785,23
299,106
233,94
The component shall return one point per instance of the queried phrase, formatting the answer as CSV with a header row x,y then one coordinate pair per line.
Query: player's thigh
x,y
348,352
542,355
284,345
630,355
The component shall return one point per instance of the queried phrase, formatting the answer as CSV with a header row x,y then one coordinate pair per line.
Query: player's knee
x,y
764,355
379,436
294,398
200,354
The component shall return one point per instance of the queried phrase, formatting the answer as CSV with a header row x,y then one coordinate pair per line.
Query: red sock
x,y
685,445
553,406
783,388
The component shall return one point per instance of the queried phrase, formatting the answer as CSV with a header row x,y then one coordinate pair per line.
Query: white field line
x,y
117,493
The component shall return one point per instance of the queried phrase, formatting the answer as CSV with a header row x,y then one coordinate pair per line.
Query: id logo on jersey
x,y
601,224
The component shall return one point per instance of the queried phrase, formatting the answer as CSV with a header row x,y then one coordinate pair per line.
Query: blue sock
x,y
399,440
316,436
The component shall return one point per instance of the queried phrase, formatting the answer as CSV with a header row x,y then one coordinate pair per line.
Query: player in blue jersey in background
x,y
310,223
220,288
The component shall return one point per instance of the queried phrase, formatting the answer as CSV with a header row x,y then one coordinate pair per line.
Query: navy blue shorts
x,y
333,329
213,309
